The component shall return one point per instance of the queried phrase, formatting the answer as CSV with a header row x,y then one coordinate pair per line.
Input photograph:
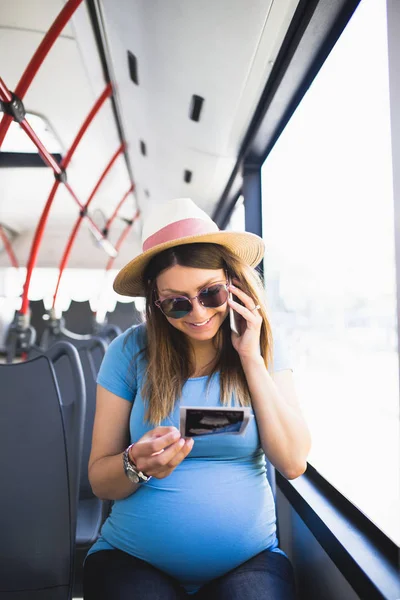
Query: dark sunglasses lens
x,y
176,308
213,296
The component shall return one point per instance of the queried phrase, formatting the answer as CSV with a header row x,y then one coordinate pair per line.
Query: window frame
x,y
345,533
366,557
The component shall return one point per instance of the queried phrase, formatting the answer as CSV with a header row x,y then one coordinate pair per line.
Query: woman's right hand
x,y
160,451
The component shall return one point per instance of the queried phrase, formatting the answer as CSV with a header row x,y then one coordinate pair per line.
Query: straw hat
x,y
179,222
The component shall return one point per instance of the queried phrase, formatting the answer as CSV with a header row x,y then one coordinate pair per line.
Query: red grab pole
x,y
124,197
8,247
105,173
122,238
82,215
43,219
38,58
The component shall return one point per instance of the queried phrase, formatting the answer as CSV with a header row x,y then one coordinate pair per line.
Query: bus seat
x,y
109,331
125,314
51,335
79,318
38,499
91,510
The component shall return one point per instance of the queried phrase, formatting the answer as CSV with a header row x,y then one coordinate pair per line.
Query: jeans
x,y
116,575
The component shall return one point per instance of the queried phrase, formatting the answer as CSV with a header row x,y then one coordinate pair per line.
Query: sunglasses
x,y
176,307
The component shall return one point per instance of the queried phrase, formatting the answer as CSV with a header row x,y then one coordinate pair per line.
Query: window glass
x,y
236,222
328,224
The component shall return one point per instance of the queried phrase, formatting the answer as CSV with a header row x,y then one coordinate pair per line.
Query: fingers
x,y
155,441
245,298
162,464
247,312
180,456
175,454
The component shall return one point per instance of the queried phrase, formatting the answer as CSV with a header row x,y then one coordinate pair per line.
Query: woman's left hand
x,y
248,343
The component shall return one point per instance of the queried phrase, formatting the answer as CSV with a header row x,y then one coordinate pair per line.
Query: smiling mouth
x,y
200,325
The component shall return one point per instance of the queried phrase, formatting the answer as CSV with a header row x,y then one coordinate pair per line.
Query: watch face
x,y
134,478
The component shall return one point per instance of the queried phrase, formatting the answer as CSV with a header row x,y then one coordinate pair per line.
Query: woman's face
x,y
201,323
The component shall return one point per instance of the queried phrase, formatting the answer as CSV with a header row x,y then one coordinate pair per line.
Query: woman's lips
x,y
205,325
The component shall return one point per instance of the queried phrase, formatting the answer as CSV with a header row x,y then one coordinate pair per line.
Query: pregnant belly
x,y
198,523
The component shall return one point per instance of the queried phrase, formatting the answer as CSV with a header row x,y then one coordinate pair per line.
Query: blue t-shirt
x,y
215,510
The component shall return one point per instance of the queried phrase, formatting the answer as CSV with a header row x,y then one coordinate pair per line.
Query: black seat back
x,y
91,354
79,318
91,351
124,315
39,472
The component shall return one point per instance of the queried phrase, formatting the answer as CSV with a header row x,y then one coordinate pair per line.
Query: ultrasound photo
x,y
196,421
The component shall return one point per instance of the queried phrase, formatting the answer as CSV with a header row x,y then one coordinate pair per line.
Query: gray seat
x,y
91,510
41,436
79,318
124,315
52,335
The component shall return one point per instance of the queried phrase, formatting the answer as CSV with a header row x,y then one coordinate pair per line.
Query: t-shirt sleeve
x,y
118,371
281,356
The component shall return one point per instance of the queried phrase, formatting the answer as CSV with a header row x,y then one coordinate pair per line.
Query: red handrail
x,y
105,173
82,215
122,239
38,58
124,197
43,219
8,247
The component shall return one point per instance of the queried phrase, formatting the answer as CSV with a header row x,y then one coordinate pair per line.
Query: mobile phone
x,y
234,317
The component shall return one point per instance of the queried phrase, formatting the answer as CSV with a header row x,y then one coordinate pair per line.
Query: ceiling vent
x,y
187,176
133,70
196,108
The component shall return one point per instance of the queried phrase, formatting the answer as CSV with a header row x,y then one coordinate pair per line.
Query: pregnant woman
x,y
192,518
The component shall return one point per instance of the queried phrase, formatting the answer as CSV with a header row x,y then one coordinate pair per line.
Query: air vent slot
x,y
143,148
133,69
196,107
187,176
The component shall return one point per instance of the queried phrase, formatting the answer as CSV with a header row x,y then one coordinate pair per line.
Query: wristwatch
x,y
131,470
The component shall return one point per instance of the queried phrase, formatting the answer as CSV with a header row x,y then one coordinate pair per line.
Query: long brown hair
x,y
170,359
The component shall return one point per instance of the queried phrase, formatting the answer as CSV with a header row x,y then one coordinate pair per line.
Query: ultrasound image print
x,y
202,421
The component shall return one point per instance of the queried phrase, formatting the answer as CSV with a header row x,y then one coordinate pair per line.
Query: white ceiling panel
x,y
32,16
222,51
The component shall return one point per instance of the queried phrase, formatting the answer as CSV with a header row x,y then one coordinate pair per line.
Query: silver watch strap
x,y
131,469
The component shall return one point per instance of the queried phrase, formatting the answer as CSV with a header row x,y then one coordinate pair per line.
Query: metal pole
x,y
111,219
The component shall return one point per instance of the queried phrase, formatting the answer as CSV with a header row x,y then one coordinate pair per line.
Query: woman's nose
x,y
198,308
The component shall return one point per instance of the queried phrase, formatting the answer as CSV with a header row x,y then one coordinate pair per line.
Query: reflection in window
x,y
330,267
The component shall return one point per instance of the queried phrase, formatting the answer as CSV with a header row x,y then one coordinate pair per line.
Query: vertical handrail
x,y
38,58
